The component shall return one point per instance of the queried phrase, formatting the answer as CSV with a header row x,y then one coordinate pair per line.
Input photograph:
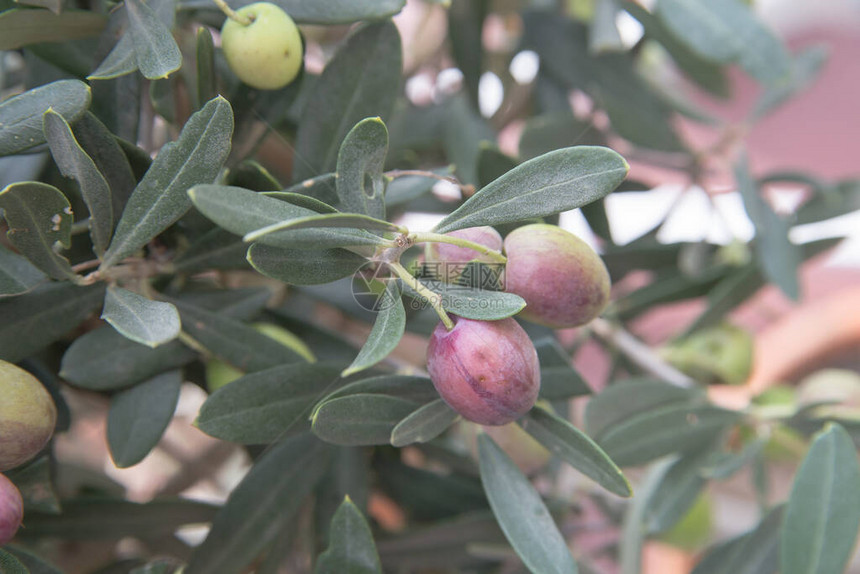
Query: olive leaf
x,y
554,182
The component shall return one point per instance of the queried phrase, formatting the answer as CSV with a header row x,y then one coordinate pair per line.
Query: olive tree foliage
x,y
155,210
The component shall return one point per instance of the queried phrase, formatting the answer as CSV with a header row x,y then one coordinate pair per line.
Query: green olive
x,y
267,53
27,416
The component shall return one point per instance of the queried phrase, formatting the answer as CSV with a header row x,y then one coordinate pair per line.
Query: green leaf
x,y
360,161
633,525
554,182
360,419
242,211
424,424
104,360
521,513
365,412
17,275
160,198
304,266
233,341
558,379
804,70
823,511
121,60
324,221
351,549
34,564
727,31
620,401
603,34
301,200
36,319
649,435
11,565
676,493
261,407
215,249
777,256
361,81
144,321
705,73
481,304
670,287
155,49
35,483
548,132
575,448
416,389
92,518
756,552
205,60
465,133
726,295
386,333
322,187
326,12
612,80
268,497
74,162
100,144
240,303
139,416
39,217
22,27
21,115
465,27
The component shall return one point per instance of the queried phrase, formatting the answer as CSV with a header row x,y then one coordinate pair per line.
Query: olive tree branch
x,y
640,353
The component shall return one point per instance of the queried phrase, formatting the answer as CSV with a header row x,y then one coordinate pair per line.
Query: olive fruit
x,y
488,371
267,53
11,510
449,260
562,279
27,416
722,354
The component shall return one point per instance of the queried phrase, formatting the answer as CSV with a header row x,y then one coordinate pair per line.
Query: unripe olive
x,y
487,371
267,53
27,416
722,354
562,279
11,510
450,259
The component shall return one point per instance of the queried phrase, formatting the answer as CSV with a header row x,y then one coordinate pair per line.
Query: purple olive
x,y
562,279
11,510
487,371
451,259
27,416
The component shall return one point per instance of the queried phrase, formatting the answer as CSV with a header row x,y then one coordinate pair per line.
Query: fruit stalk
x,y
427,237
230,13
435,299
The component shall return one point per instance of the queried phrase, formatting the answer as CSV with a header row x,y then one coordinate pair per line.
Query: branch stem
x,y
640,354
435,299
491,254
230,13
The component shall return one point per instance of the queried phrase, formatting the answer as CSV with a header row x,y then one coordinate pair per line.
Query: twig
x,y
640,353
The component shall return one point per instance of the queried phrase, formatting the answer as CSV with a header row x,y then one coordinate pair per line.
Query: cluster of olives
x,y
488,371
27,419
